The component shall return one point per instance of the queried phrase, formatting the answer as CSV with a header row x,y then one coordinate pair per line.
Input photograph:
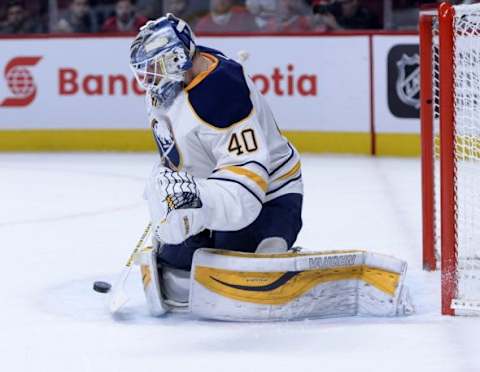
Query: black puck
x,y
102,287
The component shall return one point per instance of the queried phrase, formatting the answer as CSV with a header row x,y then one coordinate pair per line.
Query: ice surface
x,y
69,219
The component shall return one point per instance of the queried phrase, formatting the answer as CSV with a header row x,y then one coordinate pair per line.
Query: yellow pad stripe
x,y
146,275
290,173
277,288
248,173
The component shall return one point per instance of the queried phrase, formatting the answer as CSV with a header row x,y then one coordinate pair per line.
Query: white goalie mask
x,y
161,54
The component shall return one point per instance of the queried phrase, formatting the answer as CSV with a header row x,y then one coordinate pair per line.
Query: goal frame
x,y
445,15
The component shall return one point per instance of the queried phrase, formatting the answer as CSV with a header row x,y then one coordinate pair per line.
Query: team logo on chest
x,y
165,140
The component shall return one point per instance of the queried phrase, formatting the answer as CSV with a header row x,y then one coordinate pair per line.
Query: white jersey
x,y
221,130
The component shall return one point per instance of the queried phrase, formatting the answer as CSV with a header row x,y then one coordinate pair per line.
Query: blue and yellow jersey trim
x,y
255,177
285,174
220,97
251,175
201,76
292,172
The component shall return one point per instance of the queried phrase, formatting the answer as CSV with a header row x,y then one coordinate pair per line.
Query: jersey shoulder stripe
x,y
221,97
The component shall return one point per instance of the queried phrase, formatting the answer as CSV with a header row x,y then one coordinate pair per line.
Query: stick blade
x,y
117,301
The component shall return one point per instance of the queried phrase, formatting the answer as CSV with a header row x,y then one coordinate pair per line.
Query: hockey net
x,y
450,116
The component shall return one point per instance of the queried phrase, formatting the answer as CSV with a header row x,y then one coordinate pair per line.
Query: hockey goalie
x,y
225,199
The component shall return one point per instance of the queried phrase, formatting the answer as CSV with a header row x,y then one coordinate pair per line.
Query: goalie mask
x,y
161,54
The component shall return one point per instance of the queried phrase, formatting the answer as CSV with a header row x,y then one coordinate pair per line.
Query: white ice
x,y
69,219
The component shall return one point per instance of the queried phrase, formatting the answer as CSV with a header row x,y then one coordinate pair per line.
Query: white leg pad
x,y
261,287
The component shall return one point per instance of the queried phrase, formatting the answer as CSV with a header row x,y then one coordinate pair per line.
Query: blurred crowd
x,y
209,16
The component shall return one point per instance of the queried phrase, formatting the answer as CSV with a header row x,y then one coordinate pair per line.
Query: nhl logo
x,y
408,80
404,81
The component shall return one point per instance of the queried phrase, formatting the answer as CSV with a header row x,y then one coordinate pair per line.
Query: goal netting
x,y
450,73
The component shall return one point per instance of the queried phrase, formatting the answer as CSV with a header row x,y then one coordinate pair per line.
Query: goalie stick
x,y
119,296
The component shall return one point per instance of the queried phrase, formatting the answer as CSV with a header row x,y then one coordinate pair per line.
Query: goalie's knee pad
x,y
175,284
272,245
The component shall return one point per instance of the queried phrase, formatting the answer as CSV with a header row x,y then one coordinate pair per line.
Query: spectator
x,y
225,17
78,18
125,18
152,9
291,17
181,9
264,12
17,21
347,14
405,13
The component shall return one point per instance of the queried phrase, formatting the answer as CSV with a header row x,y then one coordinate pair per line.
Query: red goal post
x,y
450,133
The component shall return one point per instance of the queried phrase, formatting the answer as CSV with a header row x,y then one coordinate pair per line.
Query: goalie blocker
x,y
237,286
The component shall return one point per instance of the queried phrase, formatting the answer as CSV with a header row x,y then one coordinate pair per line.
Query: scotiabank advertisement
x,y
68,83
312,83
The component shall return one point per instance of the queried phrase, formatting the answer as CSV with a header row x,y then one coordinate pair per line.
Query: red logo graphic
x,y
20,82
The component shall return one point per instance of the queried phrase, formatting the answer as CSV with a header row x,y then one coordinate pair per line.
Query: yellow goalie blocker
x,y
254,287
